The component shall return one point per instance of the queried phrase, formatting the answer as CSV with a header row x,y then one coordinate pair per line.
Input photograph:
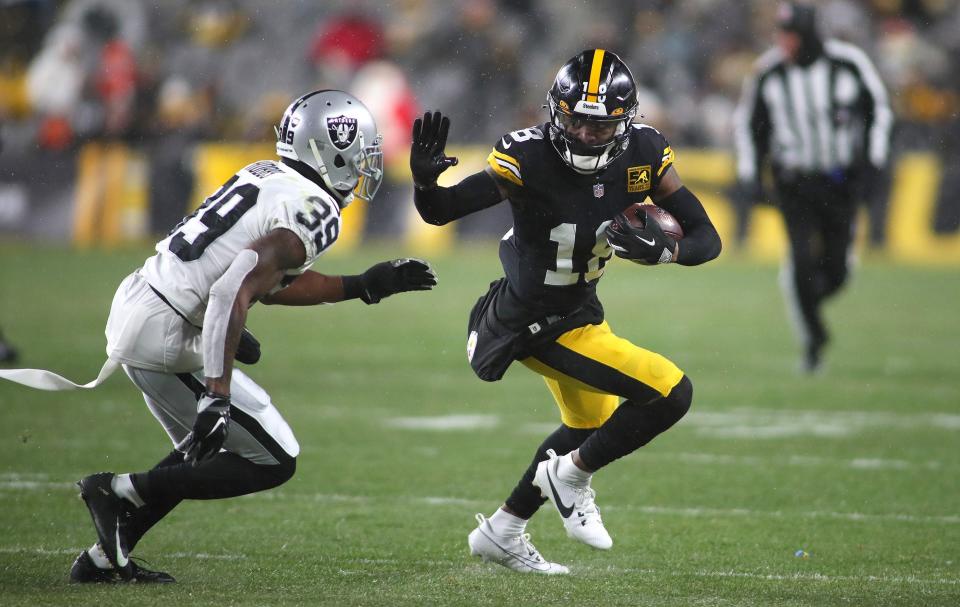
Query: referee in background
x,y
818,109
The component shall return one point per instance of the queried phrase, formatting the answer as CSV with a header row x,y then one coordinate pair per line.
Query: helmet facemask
x,y
584,157
366,165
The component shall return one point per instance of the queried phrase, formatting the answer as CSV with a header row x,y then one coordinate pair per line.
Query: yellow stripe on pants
x,y
585,406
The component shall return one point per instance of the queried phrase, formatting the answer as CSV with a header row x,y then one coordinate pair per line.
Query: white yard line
x,y
575,569
779,577
456,501
444,423
686,511
754,461
75,551
779,514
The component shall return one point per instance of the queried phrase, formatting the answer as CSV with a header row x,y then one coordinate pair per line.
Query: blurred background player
x,y
176,324
818,109
568,182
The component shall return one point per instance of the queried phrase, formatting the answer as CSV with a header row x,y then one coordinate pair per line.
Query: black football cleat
x,y
813,356
142,575
108,512
85,571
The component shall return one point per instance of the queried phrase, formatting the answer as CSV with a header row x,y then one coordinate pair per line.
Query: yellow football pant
x,y
589,369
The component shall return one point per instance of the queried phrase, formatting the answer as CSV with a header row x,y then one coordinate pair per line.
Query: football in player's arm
x,y
567,181
177,323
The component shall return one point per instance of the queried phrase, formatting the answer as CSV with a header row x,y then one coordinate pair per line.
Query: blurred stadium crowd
x,y
162,76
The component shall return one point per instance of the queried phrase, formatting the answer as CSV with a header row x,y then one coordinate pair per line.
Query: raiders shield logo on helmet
x,y
342,131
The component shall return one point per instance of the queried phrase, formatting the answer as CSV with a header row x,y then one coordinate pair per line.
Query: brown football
x,y
638,213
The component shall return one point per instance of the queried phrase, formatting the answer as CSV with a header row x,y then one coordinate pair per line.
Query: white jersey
x,y
261,197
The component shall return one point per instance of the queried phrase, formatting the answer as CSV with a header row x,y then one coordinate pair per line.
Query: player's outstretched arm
x,y
701,242
438,205
381,280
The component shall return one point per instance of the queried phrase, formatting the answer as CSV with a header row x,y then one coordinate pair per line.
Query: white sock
x,y
505,524
123,487
99,557
570,473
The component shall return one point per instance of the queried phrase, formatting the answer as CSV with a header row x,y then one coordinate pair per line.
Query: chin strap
x,y
343,199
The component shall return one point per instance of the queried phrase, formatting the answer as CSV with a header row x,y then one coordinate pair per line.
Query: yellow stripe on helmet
x,y
593,85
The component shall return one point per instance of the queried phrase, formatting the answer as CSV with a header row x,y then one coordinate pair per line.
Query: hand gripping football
x,y
638,214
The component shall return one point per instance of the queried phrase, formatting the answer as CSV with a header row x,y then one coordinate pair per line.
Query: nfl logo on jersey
x,y
598,190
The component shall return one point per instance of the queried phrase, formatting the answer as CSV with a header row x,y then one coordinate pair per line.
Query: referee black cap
x,y
799,17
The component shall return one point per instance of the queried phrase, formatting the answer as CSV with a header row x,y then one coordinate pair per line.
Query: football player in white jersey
x,y
177,323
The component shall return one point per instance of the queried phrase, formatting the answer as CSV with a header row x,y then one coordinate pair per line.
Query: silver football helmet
x,y
335,135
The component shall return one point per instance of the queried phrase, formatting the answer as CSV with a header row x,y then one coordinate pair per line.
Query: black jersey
x,y
556,251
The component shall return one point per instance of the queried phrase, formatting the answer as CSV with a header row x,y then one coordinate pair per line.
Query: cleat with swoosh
x,y
108,512
576,504
517,553
84,571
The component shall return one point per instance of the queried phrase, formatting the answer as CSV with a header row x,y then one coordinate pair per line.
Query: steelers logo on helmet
x,y
592,102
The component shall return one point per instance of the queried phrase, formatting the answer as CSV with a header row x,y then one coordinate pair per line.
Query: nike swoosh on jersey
x,y
503,141
565,511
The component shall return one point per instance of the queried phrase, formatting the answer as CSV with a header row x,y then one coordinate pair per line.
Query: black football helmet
x,y
593,94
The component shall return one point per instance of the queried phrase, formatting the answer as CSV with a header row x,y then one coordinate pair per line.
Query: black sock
x,y
526,499
224,475
171,481
633,425
140,520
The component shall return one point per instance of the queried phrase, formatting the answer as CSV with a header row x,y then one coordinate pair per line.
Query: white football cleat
x,y
576,504
516,552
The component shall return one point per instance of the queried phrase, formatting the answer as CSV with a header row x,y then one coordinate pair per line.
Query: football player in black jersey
x,y
568,182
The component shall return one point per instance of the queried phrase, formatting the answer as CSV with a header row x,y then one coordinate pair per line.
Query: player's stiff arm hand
x,y
427,156
647,245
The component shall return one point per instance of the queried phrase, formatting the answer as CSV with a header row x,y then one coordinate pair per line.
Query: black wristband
x,y
352,287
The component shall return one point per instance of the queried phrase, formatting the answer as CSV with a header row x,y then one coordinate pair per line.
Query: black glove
x,y
248,350
209,430
427,159
389,277
647,245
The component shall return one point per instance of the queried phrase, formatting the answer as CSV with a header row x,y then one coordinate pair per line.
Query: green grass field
x,y
859,467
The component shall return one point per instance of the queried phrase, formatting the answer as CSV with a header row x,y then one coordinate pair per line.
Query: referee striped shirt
x,y
828,115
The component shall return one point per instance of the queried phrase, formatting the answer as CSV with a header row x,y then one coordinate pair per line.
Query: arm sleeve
x,y
439,205
700,242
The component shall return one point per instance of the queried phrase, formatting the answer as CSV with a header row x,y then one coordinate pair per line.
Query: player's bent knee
x,y
834,281
280,473
680,398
